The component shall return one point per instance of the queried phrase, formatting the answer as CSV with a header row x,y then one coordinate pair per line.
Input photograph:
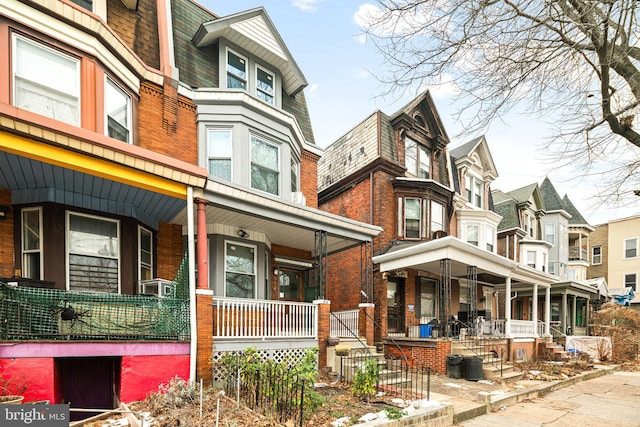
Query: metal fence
x,y
398,377
271,389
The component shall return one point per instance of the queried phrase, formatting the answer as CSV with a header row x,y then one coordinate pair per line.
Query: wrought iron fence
x,y
398,377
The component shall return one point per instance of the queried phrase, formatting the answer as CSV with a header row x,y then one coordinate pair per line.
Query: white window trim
x,y
420,217
624,280
68,252
624,248
40,250
279,170
140,263
473,179
126,94
273,83
599,255
255,265
247,79
43,46
210,157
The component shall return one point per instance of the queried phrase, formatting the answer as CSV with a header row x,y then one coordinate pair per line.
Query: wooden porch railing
x,y
522,328
344,324
238,318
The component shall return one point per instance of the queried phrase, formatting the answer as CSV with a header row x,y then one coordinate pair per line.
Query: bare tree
x,y
573,63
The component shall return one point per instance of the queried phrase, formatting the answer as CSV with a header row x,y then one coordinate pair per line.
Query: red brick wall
x,y
170,250
433,354
7,262
167,123
309,178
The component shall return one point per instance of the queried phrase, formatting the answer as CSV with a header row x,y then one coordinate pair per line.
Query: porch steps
x,y
556,351
492,370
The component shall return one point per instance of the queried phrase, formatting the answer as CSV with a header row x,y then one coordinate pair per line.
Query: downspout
x,y
193,347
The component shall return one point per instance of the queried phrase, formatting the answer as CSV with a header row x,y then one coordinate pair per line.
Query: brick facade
x,y
204,308
428,354
308,178
169,250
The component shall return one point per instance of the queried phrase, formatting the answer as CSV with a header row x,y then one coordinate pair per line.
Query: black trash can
x,y
454,365
472,368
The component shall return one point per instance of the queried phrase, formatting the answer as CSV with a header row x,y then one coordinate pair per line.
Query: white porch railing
x,y
522,328
238,318
342,322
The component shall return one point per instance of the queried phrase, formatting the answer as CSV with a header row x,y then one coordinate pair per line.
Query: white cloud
x,y
307,5
362,74
312,89
443,88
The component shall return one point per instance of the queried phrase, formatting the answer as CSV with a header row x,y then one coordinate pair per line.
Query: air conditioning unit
x,y
155,287
298,197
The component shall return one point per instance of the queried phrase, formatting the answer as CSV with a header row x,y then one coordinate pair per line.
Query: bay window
x,y
145,254
472,234
118,112
32,243
412,218
93,253
45,81
219,153
437,216
265,166
240,270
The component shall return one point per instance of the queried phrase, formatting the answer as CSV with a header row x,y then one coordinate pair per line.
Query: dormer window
x,y
417,158
264,86
474,189
236,71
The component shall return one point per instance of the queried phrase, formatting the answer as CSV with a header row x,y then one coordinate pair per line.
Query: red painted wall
x,y
141,375
33,375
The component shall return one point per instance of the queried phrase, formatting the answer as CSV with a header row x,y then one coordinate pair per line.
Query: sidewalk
x,y
458,403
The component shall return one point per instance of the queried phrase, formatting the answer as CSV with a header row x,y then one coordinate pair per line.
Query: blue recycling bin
x,y
425,331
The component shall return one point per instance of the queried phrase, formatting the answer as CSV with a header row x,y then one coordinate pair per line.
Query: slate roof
x,y
466,148
552,200
576,218
506,206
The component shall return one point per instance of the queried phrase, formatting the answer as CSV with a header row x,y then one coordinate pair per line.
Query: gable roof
x,y
480,146
427,108
576,219
254,32
507,204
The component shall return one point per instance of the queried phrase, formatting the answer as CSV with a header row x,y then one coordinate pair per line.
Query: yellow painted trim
x,y
90,165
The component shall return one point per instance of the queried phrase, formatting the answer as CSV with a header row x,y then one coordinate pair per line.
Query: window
x,y
417,159
145,254
32,243
219,153
428,297
265,166
631,248
412,216
531,259
437,216
472,234
93,253
236,71
631,281
290,284
596,255
46,82
264,85
295,172
551,269
118,111
489,238
240,271
550,233
529,225
87,4
474,189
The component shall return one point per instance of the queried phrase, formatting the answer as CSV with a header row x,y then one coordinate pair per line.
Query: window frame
x,y
17,38
69,252
489,235
470,226
239,78
208,131
254,274
435,225
141,264
419,219
418,164
26,271
635,281
277,171
129,106
634,249
594,255
474,190
550,237
531,254
258,90
295,175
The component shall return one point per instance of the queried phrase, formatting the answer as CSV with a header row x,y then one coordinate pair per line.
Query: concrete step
x,y
508,374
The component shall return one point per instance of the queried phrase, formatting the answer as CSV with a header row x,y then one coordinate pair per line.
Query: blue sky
x,y
324,38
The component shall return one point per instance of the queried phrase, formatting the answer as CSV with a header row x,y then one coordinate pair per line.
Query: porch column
x,y
507,308
324,327
365,324
201,251
563,314
587,314
547,311
574,308
534,316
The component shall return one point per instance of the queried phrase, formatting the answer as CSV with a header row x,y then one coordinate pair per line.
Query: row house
x,y
158,198
614,249
438,260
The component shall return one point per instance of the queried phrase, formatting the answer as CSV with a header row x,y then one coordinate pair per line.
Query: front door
x,y
395,305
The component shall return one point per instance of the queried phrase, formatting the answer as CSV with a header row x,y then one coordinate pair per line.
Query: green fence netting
x,y
29,313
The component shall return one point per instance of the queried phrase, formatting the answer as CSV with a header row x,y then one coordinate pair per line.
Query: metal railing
x,y
344,324
264,319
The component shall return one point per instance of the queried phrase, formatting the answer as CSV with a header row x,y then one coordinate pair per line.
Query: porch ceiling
x,y
32,181
282,223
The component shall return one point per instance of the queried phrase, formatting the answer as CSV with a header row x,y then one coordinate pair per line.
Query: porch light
x,y
242,233
3,212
